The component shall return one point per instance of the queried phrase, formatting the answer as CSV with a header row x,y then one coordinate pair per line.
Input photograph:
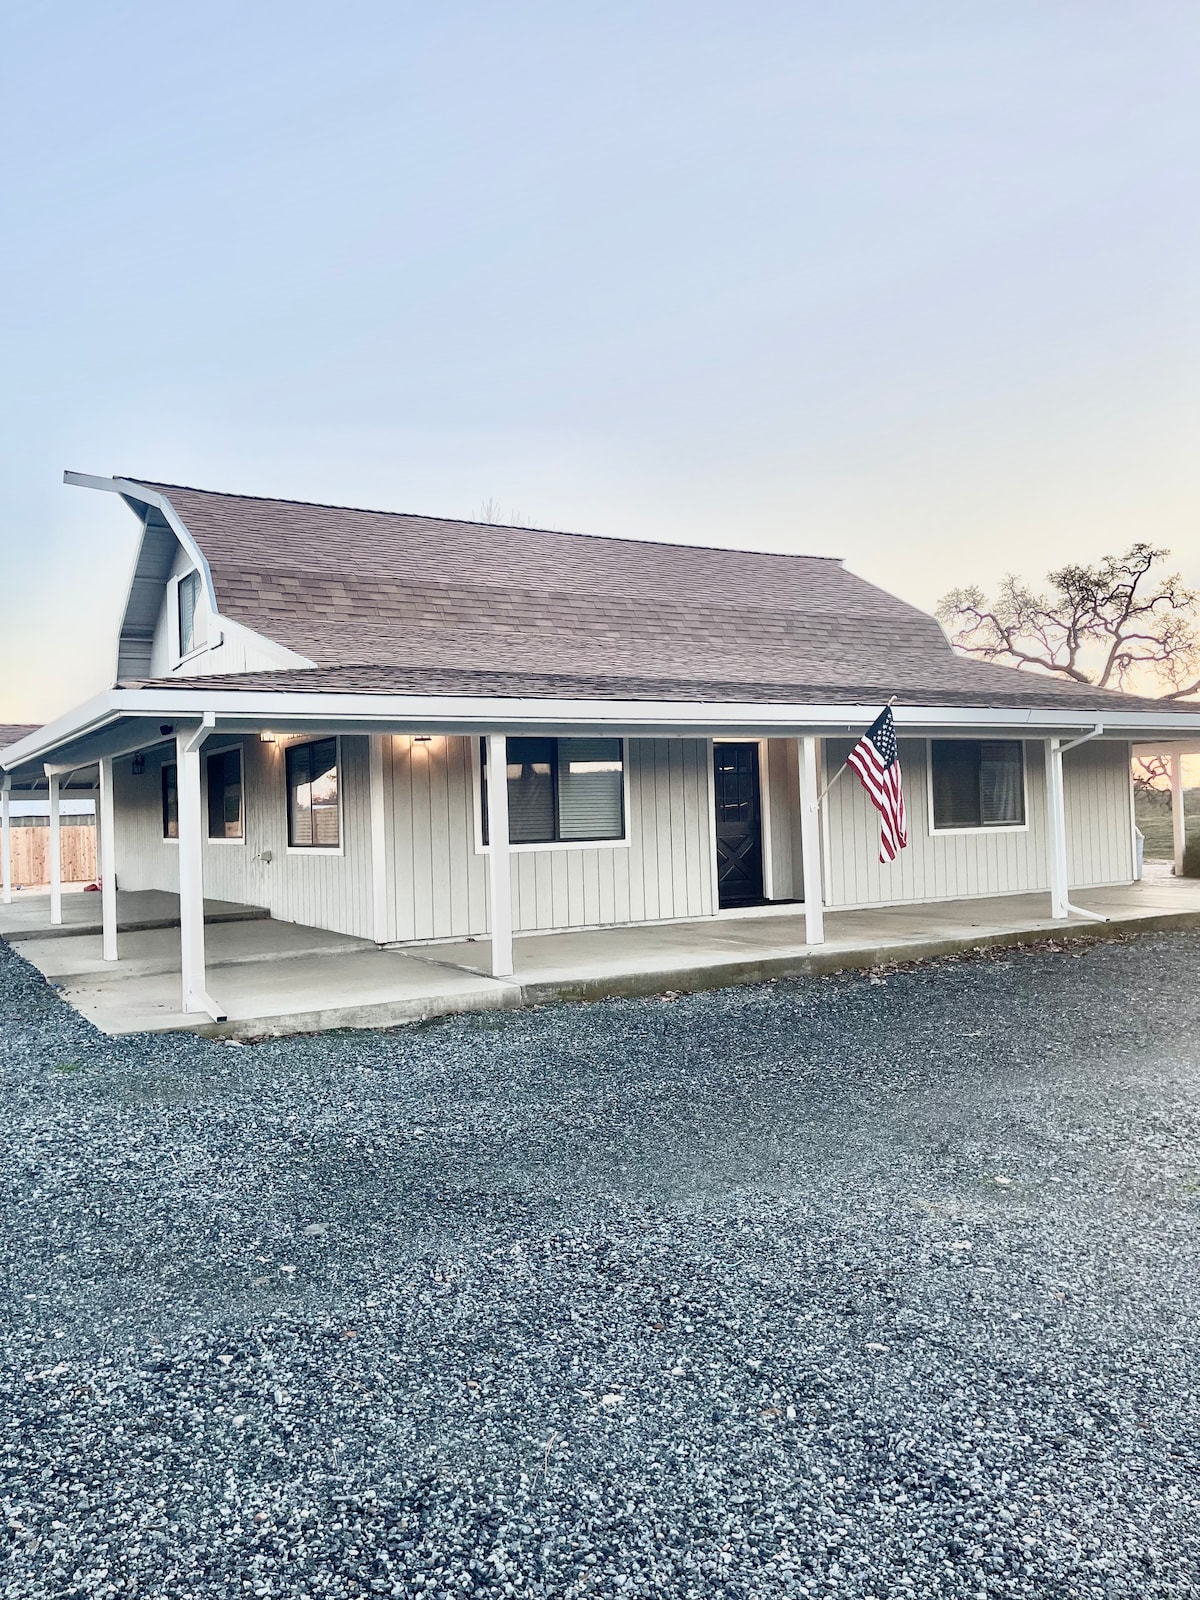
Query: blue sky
x,y
910,283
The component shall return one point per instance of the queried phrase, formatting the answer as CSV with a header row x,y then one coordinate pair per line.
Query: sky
x,y
909,283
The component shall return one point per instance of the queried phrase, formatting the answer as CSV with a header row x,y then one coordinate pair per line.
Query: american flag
x,y
876,759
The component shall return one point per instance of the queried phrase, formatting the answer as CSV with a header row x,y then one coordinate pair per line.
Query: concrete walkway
x,y
278,977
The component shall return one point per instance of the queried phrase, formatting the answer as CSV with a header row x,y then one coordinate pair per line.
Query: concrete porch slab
x,y
277,977
713,952
297,993
28,917
147,952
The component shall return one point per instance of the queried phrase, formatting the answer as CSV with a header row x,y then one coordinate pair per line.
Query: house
x,y
310,704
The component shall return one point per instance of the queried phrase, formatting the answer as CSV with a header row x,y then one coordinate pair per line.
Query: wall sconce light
x,y
138,765
266,737
422,738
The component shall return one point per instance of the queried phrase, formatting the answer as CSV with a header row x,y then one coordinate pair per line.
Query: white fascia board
x,y
193,698
87,718
153,497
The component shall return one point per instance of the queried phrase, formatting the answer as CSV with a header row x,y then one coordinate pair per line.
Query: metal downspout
x,y
1072,909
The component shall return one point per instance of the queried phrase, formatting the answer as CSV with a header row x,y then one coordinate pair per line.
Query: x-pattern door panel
x,y
739,824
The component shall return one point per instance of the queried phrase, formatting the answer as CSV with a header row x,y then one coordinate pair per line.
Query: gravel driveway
x,y
836,1287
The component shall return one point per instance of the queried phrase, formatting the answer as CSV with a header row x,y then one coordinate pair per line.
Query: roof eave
x,y
100,720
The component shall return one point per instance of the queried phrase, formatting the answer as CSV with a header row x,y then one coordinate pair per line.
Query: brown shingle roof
x,y
981,686
10,732
395,601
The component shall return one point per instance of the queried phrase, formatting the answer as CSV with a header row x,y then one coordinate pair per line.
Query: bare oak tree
x,y
1111,624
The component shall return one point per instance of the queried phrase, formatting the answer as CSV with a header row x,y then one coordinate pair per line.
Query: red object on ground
x,y
92,888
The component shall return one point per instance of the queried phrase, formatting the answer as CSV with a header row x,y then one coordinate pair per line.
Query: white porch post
x,y
191,873
5,844
1178,821
108,860
379,897
499,856
1056,830
810,843
54,854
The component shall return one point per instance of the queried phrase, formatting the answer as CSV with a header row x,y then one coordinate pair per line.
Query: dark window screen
x,y
562,790
225,795
978,784
170,801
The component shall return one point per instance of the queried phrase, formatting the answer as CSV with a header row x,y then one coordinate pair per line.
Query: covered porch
x,y
274,978
425,898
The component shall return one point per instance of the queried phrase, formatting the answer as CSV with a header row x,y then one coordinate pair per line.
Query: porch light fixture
x,y
138,765
422,738
266,736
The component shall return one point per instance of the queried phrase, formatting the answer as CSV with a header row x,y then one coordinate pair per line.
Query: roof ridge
x,y
472,522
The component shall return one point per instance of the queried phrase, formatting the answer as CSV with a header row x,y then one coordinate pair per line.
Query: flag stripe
x,y
876,760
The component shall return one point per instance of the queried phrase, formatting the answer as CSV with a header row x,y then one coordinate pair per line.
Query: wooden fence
x,y
31,855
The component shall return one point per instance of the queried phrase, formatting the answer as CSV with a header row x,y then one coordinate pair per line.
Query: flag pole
x,y
839,771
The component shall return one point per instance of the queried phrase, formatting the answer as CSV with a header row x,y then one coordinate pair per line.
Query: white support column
x,y
191,870
54,855
1178,821
5,844
379,899
108,860
810,843
1056,831
499,856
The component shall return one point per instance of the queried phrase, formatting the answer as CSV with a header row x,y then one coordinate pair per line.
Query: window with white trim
x,y
562,791
977,783
189,599
312,783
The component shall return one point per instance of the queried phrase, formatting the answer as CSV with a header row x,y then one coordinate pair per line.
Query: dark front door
x,y
739,825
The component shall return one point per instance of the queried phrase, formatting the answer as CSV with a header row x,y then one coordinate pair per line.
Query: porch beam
x,y
5,844
108,861
810,842
1178,819
54,854
499,856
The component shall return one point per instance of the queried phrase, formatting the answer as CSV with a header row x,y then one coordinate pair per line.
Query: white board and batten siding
x,y
437,885
436,869
987,861
318,888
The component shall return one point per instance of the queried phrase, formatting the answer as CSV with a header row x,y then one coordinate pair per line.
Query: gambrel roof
x,y
391,602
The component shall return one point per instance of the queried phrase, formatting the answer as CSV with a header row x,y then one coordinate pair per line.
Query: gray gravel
x,y
856,1286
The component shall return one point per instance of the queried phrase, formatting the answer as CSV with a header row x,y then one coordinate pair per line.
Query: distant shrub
x,y
1191,859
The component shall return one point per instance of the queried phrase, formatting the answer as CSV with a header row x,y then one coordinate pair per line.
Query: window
x,y
189,595
977,783
170,800
562,790
225,794
312,780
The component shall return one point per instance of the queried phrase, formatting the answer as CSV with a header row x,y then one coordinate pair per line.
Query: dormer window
x,y
189,595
